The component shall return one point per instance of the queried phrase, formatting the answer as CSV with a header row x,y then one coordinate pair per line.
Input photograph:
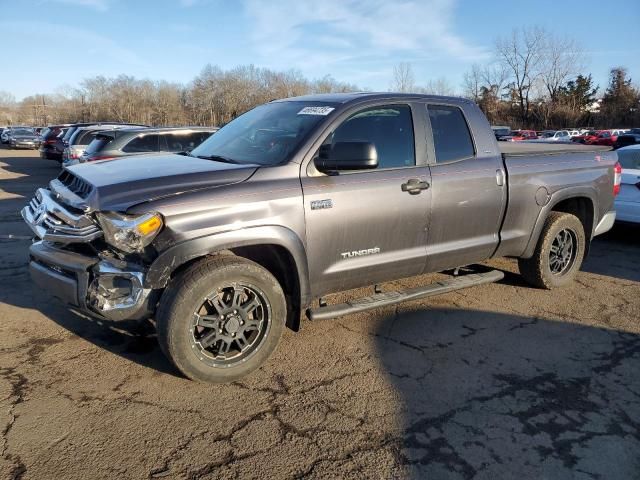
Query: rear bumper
x,y
89,284
605,224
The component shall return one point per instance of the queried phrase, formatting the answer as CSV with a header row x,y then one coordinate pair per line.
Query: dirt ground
x,y
499,381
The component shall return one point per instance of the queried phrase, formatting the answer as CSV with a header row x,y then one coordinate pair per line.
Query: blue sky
x,y
52,43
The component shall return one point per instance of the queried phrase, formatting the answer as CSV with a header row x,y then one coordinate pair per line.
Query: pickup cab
x,y
303,197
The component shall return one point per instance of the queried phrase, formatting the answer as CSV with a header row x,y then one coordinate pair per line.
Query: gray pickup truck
x,y
307,196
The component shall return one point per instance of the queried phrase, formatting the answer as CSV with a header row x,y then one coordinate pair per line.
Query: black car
x,y
51,144
632,137
120,143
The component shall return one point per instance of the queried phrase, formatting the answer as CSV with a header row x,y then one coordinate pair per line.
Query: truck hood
x,y
121,183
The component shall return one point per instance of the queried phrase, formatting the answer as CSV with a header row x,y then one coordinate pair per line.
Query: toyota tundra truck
x,y
227,245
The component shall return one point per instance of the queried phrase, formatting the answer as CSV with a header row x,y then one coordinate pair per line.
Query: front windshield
x,y
266,135
22,131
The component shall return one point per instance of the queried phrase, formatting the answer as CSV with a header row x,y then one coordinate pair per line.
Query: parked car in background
x,y
120,143
501,131
22,137
604,137
73,127
520,135
584,137
618,131
4,136
631,137
82,137
555,136
51,144
628,200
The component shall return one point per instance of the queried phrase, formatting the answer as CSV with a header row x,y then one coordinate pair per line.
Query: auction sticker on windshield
x,y
316,111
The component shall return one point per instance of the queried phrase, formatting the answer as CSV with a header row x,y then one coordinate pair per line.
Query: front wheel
x,y
221,319
559,252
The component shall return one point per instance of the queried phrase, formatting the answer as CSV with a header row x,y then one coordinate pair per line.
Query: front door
x,y
361,227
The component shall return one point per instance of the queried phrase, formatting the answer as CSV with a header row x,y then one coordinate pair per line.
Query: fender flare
x,y
556,198
168,261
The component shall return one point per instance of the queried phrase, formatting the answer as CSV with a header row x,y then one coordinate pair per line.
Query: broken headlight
x,y
130,233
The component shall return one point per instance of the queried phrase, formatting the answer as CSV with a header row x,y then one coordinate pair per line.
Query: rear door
x,y
468,190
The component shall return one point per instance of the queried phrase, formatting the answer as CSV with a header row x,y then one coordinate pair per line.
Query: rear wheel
x,y
558,254
221,319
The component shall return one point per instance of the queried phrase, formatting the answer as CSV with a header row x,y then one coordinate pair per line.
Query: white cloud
x,y
86,42
99,5
296,31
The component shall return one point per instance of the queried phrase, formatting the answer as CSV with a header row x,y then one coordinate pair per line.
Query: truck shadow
x,y
489,395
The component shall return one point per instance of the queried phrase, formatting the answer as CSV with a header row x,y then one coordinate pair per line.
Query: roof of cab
x,y
355,96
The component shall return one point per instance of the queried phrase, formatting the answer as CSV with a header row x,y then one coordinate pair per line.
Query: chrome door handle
x,y
414,186
500,177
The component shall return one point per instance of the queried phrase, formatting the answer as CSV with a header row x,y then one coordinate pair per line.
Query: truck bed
x,y
546,148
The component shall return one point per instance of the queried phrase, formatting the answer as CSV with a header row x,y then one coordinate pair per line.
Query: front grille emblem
x,y
39,214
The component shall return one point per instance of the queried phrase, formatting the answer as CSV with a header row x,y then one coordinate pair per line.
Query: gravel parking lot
x,y
499,381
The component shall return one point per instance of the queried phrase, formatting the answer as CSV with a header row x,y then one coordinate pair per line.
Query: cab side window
x,y
389,128
451,137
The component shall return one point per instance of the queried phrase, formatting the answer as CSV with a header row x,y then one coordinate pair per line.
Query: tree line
x,y
214,97
536,79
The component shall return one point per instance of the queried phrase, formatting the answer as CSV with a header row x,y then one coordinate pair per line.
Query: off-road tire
x,y
187,290
536,270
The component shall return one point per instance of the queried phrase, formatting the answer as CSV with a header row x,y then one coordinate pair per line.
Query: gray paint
x,y
368,230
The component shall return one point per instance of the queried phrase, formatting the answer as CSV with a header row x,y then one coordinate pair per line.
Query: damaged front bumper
x,y
93,285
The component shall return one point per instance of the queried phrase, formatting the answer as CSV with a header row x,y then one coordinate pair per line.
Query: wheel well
x,y
581,207
278,261
281,264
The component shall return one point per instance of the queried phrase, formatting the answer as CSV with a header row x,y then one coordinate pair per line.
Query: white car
x,y
628,200
619,131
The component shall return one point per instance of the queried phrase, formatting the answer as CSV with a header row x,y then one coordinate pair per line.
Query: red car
x,y
519,135
604,137
586,137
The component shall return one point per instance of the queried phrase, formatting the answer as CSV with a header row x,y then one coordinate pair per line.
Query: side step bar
x,y
391,298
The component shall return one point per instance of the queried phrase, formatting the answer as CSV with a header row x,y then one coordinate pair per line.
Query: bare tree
x,y
439,86
522,54
403,79
472,83
562,59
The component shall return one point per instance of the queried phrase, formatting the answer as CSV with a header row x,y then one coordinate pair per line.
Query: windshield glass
x,y
22,131
266,135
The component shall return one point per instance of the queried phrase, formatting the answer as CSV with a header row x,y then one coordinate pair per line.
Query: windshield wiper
x,y
217,158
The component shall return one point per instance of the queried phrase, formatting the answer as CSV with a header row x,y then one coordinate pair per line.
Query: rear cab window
x,y
98,144
142,144
451,135
182,141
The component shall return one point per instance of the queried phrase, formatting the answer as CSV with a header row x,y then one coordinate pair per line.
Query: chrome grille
x,y
75,184
53,222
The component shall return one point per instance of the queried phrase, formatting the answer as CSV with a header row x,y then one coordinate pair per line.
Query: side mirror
x,y
347,156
